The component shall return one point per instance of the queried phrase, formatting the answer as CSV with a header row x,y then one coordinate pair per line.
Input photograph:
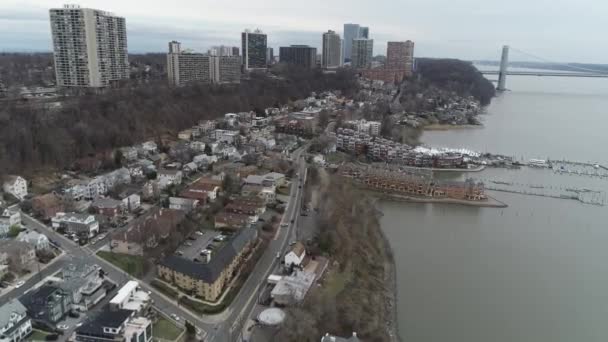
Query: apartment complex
x,y
362,53
253,48
400,55
209,278
332,50
223,50
185,67
90,47
302,55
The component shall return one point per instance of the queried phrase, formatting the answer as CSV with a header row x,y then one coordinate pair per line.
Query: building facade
x,y
186,67
90,47
226,69
332,50
362,53
16,186
15,325
254,46
269,56
302,55
400,55
351,32
364,32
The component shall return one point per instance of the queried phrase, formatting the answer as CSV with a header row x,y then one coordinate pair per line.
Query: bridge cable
x,y
558,64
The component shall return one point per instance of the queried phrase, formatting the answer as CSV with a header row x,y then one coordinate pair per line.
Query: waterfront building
x,y
351,32
303,55
400,56
89,47
362,53
332,50
254,49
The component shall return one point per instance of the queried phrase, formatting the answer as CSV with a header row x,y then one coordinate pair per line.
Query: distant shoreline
x,y
447,127
490,203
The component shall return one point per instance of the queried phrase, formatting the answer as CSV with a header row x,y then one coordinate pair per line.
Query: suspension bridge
x,y
504,71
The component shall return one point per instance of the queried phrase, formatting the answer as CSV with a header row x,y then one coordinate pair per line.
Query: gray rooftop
x,y
6,311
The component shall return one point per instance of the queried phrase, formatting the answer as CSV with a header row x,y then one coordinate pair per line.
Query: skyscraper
x,y
253,49
400,55
90,47
303,55
332,50
235,50
362,53
226,69
269,56
364,32
351,31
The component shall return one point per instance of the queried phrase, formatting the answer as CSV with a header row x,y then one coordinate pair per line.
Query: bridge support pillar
x,y
502,73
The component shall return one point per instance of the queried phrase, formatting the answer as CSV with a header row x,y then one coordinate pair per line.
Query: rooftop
x,y
7,310
109,319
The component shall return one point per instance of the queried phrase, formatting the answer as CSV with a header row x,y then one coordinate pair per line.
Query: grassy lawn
x,y
134,265
162,287
38,335
165,329
336,282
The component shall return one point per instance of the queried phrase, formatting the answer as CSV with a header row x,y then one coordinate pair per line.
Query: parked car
x,y
19,284
198,232
62,327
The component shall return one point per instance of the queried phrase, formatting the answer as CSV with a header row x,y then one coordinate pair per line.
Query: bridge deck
x,y
545,73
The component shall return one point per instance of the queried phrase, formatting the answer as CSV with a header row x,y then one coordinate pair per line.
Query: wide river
x,y
536,271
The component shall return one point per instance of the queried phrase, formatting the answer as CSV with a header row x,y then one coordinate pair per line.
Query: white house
x,y
229,137
204,160
168,177
130,199
9,218
149,146
40,241
296,255
15,325
16,186
76,223
197,146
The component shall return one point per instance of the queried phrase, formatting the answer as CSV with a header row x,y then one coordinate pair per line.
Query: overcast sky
x,y
557,30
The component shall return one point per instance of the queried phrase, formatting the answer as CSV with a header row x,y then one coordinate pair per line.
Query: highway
x,y
225,326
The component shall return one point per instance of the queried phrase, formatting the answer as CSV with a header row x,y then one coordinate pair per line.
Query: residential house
x,y
16,186
185,135
227,220
15,325
209,279
267,193
204,190
269,179
128,153
46,206
146,231
131,297
203,161
137,170
149,147
39,241
8,218
228,137
20,255
108,207
197,146
79,224
115,325
116,177
130,199
190,168
167,177
296,255
184,204
47,304
292,289
83,283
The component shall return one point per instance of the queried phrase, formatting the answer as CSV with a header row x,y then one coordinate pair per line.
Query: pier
x,y
585,196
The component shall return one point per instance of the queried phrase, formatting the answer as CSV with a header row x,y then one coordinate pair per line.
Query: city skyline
x,y
438,28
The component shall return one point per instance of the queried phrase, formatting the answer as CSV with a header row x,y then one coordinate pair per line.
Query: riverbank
x,y
490,203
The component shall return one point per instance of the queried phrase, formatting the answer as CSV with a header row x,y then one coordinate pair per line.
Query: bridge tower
x,y
502,73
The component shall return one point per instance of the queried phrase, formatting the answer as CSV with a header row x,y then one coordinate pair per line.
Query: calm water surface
x,y
536,271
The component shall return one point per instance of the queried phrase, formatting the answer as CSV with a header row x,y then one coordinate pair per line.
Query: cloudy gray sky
x,y
558,30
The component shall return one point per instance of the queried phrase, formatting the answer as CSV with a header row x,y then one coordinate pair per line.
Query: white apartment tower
x,y
90,47
332,50
185,67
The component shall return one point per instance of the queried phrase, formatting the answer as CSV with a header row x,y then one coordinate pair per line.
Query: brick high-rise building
x,y
400,56
90,47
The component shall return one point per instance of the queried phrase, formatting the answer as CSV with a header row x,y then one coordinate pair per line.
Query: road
x,y
225,326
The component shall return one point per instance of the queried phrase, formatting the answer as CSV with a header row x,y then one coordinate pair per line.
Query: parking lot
x,y
192,247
